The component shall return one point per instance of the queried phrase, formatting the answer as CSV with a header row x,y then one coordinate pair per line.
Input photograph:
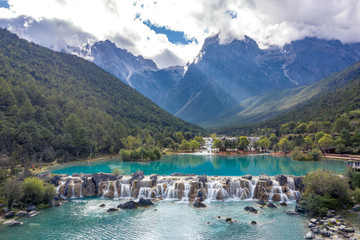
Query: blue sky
x,y
173,36
4,4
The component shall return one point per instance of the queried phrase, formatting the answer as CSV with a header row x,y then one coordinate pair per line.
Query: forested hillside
x,y
55,105
342,95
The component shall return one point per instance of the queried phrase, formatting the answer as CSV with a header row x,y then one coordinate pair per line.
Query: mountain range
x,y
231,83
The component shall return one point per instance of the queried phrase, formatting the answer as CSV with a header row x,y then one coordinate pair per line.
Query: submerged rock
x,y
127,205
199,204
228,220
112,210
271,205
102,205
284,204
253,222
12,222
293,213
251,209
144,202
261,202
299,209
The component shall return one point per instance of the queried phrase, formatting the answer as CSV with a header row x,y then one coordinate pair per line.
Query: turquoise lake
x,y
84,219
207,164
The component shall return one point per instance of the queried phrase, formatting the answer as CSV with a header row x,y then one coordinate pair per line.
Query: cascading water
x,y
107,189
215,189
116,194
125,190
253,184
294,194
187,187
276,188
72,188
80,189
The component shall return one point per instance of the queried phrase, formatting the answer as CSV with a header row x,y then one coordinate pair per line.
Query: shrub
x,y
298,155
314,155
33,190
124,155
317,205
13,190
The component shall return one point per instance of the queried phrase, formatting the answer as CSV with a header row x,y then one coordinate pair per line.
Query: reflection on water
x,y
208,164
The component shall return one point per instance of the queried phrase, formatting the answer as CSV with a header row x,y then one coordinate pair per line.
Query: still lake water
x,y
207,164
84,219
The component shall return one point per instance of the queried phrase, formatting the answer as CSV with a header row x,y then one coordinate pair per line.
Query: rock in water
x,y
281,179
127,205
21,214
261,202
251,209
112,210
12,222
10,214
293,213
248,177
229,220
253,222
102,205
138,175
33,213
271,205
199,204
144,202
356,208
284,204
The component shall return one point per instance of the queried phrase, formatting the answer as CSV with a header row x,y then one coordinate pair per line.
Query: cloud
x,y
58,23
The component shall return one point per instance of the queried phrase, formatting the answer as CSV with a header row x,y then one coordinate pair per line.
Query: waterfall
x,y
159,189
58,188
170,192
145,192
253,184
276,188
116,194
80,190
294,194
214,189
237,192
187,187
106,189
125,190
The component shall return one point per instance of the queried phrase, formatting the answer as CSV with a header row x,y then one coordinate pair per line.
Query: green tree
x,y
185,145
318,135
264,143
13,190
308,143
243,143
194,145
273,139
341,123
301,128
200,140
285,145
313,127
179,137
36,191
326,141
217,144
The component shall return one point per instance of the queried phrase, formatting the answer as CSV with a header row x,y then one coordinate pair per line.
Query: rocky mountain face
x,y
139,73
230,73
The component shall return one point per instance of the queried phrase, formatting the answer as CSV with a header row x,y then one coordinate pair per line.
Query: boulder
x,y
315,230
229,220
153,178
299,209
311,225
138,175
282,179
284,204
21,214
271,205
202,179
265,178
199,204
356,208
12,222
251,209
298,182
144,202
253,222
325,233
261,202
55,180
31,208
349,230
313,220
248,177
33,213
112,210
10,214
127,205
102,205
97,178
2,205
309,235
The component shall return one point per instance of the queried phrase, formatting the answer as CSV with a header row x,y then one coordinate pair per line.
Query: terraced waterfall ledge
x,y
179,187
